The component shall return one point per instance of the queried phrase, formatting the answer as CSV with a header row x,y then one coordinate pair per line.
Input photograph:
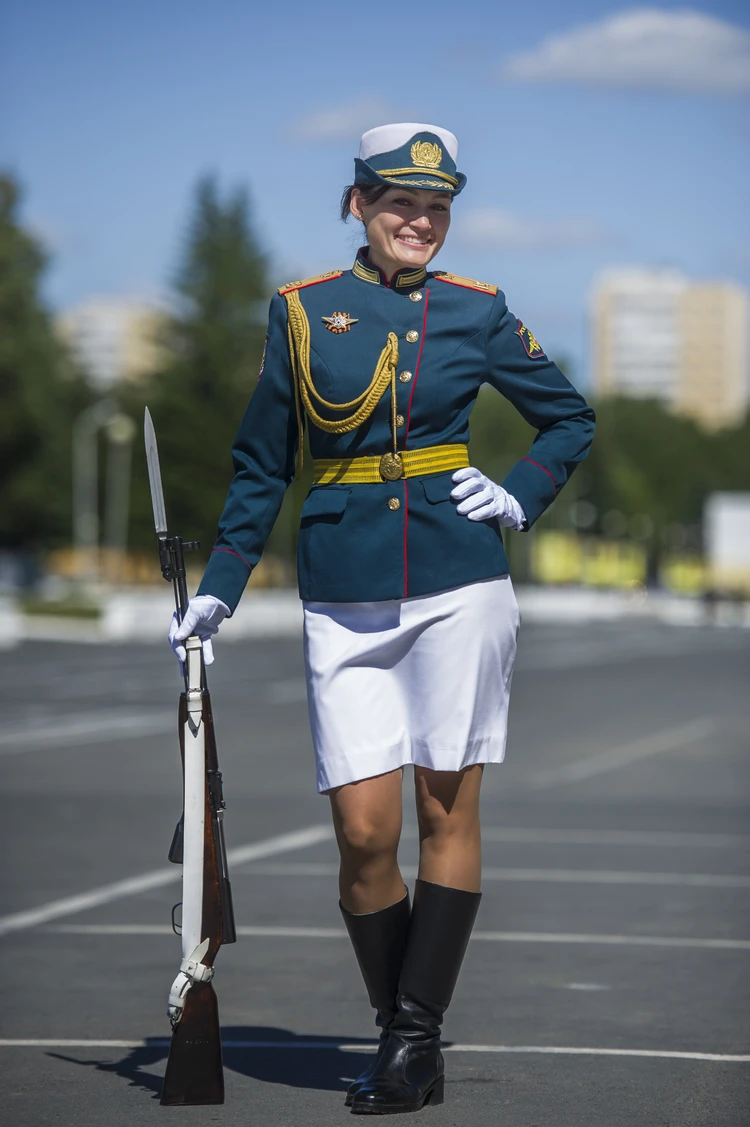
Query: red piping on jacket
x,y
406,437
406,525
229,552
419,361
549,475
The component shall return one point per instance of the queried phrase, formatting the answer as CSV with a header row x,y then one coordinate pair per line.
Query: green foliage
x,y
645,460
213,344
499,436
40,395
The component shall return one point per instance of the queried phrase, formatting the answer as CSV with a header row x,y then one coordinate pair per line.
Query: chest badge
x,y
340,322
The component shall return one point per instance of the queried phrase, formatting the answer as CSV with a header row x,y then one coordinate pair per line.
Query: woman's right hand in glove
x,y
203,616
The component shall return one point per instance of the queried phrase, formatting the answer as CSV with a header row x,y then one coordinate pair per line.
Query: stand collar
x,y
404,281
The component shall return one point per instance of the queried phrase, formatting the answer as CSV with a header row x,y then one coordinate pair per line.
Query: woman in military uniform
x,y
410,620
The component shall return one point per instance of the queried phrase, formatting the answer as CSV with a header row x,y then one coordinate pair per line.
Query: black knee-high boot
x,y
409,1071
379,942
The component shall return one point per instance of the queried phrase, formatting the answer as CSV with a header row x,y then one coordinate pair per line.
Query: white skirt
x,y
423,680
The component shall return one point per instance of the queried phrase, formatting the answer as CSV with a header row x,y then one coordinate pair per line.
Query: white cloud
x,y
644,48
493,227
347,121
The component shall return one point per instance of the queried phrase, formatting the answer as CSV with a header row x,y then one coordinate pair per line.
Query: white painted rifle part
x,y
194,946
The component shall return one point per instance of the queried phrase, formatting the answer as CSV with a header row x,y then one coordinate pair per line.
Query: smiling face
x,y
406,227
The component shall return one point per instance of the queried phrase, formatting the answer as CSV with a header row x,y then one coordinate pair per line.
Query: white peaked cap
x,y
385,138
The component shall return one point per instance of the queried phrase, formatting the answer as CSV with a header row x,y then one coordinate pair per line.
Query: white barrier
x,y
144,615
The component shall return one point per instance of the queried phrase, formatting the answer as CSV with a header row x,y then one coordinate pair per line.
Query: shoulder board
x,y
467,283
310,281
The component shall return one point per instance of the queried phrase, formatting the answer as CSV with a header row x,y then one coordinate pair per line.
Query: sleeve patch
x,y
531,345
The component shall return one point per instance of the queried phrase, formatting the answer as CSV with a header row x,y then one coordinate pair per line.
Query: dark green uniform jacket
x,y
393,540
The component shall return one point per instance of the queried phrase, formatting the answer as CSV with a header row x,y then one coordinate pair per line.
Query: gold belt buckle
x,y
391,467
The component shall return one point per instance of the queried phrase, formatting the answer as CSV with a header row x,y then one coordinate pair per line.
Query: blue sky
x,y
593,134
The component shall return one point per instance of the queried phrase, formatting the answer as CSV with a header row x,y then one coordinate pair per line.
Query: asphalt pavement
x,y
608,980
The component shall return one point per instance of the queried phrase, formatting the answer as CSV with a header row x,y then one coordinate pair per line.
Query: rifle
x,y
194,1072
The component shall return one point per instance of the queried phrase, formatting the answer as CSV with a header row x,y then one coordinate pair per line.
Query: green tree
x,y
213,345
40,393
645,460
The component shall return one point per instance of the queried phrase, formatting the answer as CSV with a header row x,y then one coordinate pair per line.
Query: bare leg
x,y
367,819
450,845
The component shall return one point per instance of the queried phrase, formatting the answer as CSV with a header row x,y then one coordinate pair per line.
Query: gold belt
x,y
374,468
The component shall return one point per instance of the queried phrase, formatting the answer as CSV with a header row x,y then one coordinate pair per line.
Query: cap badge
x,y
340,322
426,154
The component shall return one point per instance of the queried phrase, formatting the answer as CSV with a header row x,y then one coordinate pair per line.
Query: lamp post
x,y
120,432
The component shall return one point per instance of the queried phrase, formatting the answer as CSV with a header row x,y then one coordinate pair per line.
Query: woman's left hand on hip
x,y
482,499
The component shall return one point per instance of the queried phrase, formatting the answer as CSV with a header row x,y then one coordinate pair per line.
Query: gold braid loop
x,y
298,331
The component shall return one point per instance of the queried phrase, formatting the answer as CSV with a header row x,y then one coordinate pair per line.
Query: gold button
x,y
415,296
400,420
394,503
405,377
412,335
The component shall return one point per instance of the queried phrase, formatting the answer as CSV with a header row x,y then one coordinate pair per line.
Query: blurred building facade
x,y
113,339
655,334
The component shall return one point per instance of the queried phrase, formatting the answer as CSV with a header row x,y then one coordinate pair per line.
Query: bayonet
x,y
154,475
171,548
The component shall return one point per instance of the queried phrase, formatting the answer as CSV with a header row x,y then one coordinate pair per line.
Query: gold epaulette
x,y
310,281
467,283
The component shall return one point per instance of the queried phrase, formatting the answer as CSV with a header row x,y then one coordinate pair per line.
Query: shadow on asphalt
x,y
320,1067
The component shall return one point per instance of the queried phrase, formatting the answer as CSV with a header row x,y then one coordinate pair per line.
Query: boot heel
x,y
437,1095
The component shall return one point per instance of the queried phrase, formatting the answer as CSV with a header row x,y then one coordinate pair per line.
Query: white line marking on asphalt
x,y
550,876
84,728
618,876
358,1047
282,843
575,1051
670,739
676,941
667,838
587,986
132,886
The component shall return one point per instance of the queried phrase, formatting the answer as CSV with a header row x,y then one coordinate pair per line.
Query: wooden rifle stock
x,y
195,1072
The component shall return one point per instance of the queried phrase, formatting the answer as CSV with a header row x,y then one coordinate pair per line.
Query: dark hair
x,y
371,193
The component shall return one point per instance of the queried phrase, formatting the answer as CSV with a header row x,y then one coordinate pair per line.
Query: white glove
x,y
482,499
204,615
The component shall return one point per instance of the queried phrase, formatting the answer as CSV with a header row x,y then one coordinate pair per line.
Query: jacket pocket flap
x,y
437,487
325,501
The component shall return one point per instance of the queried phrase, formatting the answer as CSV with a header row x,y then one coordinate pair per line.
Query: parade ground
x,y
607,983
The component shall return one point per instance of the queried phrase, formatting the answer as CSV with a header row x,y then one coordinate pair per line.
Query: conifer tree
x,y
214,341
40,395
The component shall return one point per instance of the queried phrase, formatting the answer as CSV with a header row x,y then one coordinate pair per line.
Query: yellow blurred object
x,y
684,573
731,581
108,564
564,557
136,569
